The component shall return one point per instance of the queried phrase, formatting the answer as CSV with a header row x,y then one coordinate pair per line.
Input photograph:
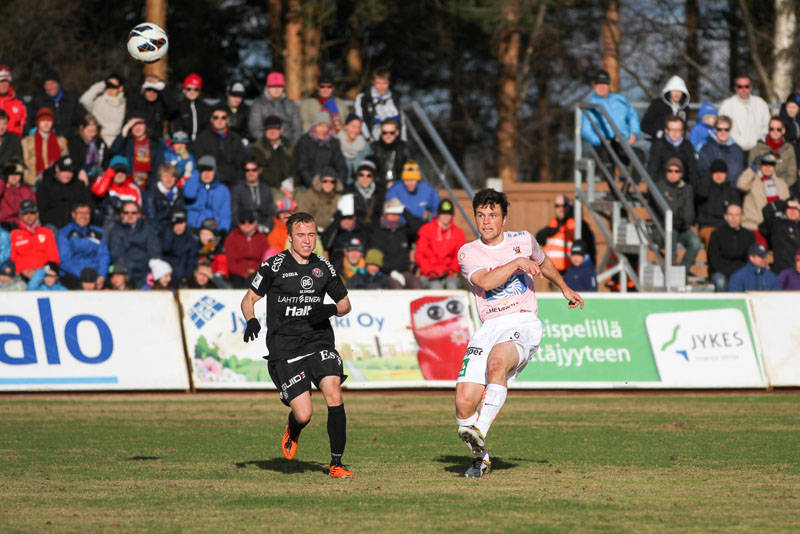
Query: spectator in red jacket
x,y
13,106
32,245
245,247
437,250
12,193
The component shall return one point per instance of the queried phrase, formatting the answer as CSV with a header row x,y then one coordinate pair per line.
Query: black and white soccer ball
x,y
147,42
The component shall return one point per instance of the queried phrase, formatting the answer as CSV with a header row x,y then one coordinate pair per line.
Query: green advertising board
x,y
642,338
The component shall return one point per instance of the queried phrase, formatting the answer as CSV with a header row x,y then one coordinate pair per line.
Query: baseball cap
x,y
769,159
275,79
579,247
207,163
445,206
287,204
65,163
13,168
178,215
393,206
601,76
180,137
8,268
248,215
5,74
325,77
118,268
272,122
236,89
88,274
193,80
27,206
718,165
51,268
119,163
355,244
757,249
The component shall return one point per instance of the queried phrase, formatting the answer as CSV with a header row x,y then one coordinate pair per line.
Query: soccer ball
x,y
147,42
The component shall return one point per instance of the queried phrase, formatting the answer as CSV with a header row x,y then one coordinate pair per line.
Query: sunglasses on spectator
x,y
326,86
328,181
111,86
191,89
776,129
743,86
251,169
248,221
723,129
560,205
219,117
130,213
388,132
369,174
673,171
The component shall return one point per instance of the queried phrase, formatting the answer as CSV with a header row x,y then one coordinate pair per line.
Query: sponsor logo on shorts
x,y
464,365
317,272
329,355
294,380
306,282
516,335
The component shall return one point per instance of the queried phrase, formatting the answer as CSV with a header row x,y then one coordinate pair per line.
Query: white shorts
x,y
524,329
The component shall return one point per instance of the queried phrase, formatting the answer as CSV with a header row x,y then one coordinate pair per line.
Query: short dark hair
x,y
381,72
392,121
132,202
491,198
80,204
3,115
254,160
732,204
300,217
674,118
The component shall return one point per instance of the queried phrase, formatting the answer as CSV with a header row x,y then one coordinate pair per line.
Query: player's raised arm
x,y
489,279
551,273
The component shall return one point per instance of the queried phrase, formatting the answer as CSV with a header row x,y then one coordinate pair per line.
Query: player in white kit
x,y
499,268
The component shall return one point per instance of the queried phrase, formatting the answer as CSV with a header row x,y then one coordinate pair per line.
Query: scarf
x,y
92,158
141,161
366,192
322,140
168,193
32,228
676,144
222,133
53,151
59,96
331,107
771,188
255,195
351,150
775,145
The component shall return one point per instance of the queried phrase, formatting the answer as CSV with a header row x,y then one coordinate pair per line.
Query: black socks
x,y
337,432
295,427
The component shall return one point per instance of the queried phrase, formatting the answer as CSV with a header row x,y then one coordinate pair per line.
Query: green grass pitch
x,y
567,463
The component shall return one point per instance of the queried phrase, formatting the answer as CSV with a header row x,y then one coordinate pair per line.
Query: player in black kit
x,y
299,334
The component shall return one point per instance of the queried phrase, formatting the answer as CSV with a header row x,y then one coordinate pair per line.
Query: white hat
x,y
288,184
159,268
346,205
394,206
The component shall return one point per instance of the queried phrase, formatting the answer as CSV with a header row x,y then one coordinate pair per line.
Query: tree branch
x,y
524,80
753,45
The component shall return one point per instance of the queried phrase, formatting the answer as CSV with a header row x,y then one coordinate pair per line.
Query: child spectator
x,y
111,190
160,276
580,275
206,198
82,245
46,279
89,278
12,192
203,278
161,200
193,113
437,250
177,154
9,279
105,100
43,148
704,129
118,277
88,150
179,248
275,102
32,245
371,276
352,261
144,152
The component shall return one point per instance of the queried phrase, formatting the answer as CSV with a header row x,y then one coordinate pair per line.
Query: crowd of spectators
x,y
144,189
731,183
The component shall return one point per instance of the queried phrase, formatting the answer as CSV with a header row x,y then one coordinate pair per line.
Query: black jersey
x,y
293,290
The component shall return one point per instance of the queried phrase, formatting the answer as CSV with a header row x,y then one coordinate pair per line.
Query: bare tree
x,y
275,11
611,41
783,53
508,57
294,50
157,14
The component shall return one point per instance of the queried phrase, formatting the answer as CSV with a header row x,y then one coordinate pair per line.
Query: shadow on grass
x,y
144,458
282,465
458,464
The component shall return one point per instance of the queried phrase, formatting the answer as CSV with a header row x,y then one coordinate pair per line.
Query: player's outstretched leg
x,y
291,435
468,395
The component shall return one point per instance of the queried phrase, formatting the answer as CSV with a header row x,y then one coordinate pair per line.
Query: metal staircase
x,y
625,217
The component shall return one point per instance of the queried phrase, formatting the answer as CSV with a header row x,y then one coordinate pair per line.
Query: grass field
x,y
562,463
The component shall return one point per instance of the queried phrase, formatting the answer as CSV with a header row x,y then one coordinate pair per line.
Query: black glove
x,y
321,313
251,330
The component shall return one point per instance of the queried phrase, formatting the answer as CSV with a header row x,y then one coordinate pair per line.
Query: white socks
x,y
469,421
493,399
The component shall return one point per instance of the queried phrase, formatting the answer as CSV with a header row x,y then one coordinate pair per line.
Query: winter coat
x,y
437,249
396,243
713,199
55,199
164,108
286,109
322,206
237,121
10,147
582,277
310,106
36,283
354,153
423,198
11,198
755,197
786,169
29,156
180,251
67,111
680,198
134,246
193,117
277,164
31,248
187,167
78,149
15,284
245,253
82,246
109,198
335,238
727,249
750,119
5,245
108,110
363,280
662,150
228,151
789,279
783,235
314,155
701,132
752,278
124,146
660,108
621,112
373,109
158,208
16,111
389,157
733,156
258,199
368,209
207,201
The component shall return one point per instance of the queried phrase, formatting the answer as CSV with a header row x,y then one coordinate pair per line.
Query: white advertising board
x,y
76,341
776,321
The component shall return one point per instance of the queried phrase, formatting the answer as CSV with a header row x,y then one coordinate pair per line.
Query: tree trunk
x,y
785,27
611,42
312,31
276,33
354,57
733,40
544,143
294,50
507,128
692,48
156,12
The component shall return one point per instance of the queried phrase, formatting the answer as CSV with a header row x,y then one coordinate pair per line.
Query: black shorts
x,y
294,376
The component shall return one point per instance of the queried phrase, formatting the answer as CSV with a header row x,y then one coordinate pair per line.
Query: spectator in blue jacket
x,y
581,271
133,243
419,197
46,279
754,276
5,245
206,198
621,112
163,198
721,146
704,129
82,245
179,248
177,153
